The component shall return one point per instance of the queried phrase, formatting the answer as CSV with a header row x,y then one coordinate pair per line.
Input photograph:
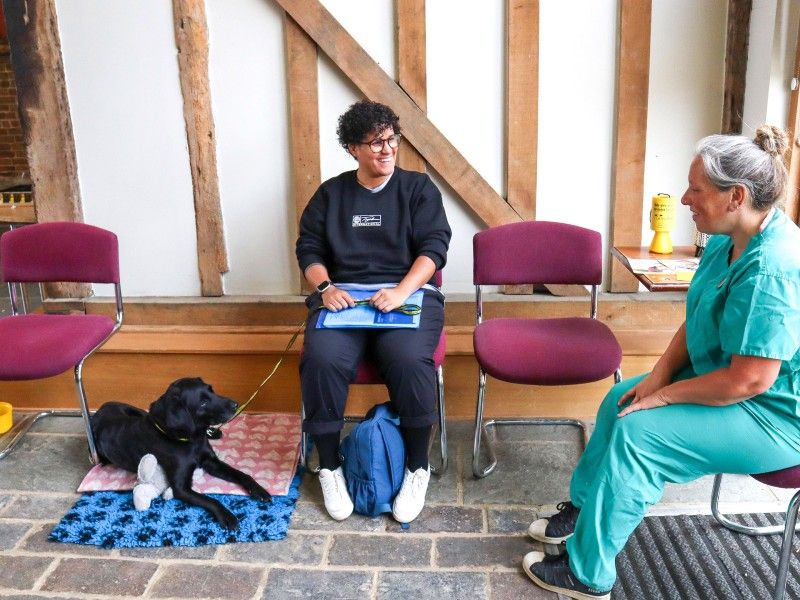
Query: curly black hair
x,y
363,117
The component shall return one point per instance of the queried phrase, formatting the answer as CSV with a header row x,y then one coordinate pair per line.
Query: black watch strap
x,y
324,286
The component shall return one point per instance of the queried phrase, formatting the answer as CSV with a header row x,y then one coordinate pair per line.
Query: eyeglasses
x,y
377,145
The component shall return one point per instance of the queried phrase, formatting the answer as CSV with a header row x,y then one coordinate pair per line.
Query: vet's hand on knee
x,y
656,400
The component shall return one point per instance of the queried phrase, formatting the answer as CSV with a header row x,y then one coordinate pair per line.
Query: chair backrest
x,y
59,251
537,252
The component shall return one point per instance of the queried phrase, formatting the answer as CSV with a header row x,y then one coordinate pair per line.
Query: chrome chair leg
x,y
480,430
786,547
788,530
20,428
442,466
87,417
618,375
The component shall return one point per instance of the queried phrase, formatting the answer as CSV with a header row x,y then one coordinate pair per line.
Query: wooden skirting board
x,y
148,352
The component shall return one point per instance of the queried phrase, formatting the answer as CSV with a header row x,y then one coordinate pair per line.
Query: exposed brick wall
x,y
13,159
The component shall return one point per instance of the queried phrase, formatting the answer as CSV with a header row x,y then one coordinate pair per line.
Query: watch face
x,y
323,286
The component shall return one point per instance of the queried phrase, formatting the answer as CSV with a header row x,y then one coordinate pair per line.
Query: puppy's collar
x,y
164,431
212,433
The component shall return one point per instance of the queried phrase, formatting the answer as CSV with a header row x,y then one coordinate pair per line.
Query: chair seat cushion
x,y
36,346
367,372
785,478
547,351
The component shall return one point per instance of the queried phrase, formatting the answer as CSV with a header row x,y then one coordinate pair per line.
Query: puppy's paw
x,y
260,493
227,519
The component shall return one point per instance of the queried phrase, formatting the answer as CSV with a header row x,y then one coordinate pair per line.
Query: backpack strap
x,y
388,457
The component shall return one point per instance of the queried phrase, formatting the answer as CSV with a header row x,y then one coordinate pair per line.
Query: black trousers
x,y
404,358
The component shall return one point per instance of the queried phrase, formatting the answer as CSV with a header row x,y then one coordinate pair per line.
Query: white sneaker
x,y
411,498
334,491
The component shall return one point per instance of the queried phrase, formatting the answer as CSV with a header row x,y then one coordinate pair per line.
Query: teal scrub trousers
x,y
628,460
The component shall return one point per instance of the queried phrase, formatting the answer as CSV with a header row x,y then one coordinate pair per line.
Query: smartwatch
x,y
324,286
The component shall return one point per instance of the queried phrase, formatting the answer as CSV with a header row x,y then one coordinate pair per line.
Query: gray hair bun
x,y
772,140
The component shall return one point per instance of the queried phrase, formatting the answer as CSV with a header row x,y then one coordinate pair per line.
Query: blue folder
x,y
367,316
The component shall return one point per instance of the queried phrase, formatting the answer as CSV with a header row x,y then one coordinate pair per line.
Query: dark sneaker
x,y
556,529
553,573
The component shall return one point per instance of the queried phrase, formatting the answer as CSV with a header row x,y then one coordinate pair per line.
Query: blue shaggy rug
x,y
109,520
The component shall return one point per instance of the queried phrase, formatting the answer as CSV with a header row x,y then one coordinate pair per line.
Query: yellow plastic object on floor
x,y
6,417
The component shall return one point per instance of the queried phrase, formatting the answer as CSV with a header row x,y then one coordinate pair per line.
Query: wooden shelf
x,y
655,282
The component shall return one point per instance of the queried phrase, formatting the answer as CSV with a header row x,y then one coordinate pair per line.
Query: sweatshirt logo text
x,y
366,220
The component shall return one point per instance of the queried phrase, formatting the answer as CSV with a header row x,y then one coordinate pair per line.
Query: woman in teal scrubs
x,y
724,397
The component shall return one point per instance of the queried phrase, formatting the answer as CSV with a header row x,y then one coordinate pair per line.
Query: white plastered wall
x,y
124,92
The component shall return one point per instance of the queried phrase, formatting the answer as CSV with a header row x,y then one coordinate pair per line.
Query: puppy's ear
x,y
171,413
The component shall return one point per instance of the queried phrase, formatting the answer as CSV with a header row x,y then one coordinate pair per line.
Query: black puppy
x,y
175,432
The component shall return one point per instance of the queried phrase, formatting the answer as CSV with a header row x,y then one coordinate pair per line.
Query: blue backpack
x,y
374,461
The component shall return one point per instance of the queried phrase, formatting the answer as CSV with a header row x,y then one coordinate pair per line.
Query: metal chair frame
x,y
788,530
18,431
482,426
436,469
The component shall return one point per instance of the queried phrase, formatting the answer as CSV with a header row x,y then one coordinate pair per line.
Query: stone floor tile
x,y
513,586
200,581
420,585
526,474
21,572
38,542
560,434
5,502
500,551
443,489
11,533
513,521
309,515
318,585
295,549
60,425
45,463
380,551
735,488
37,597
110,577
450,519
207,552
44,508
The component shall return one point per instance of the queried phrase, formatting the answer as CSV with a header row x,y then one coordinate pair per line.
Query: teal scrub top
x,y
752,308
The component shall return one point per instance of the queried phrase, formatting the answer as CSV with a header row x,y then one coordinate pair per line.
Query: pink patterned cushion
x,y
36,346
785,478
547,351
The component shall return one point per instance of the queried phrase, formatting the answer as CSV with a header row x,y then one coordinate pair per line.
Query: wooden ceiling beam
x,y
412,71
792,207
375,84
191,38
44,115
633,80
736,41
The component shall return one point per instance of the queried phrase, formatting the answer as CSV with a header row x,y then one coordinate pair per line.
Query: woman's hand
x,y
388,299
645,394
656,400
335,299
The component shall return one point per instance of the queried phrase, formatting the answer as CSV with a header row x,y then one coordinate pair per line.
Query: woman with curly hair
x,y
386,227
724,397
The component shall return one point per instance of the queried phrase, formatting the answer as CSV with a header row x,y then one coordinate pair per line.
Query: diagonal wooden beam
x,y
736,41
32,28
631,131
374,83
301,67
191,38
411,67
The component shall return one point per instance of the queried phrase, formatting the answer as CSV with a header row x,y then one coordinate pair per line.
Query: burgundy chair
x,y
786,478
531,351
35,346
367,374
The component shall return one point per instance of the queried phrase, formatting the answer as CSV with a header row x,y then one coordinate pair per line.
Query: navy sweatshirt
x,y
363,237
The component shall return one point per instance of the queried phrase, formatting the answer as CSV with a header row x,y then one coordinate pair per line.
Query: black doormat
x,y
692,556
